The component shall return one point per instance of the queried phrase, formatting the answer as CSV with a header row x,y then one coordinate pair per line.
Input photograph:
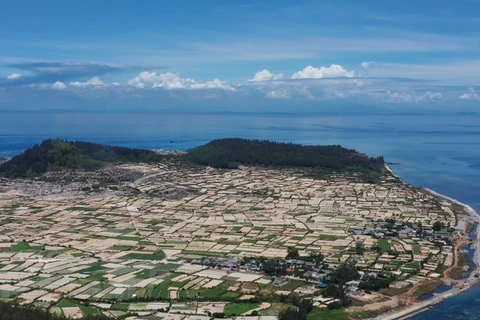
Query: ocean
x,y
437,151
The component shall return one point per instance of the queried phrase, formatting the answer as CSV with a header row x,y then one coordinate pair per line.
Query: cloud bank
x,y
310,85
333,71
266,75
173,81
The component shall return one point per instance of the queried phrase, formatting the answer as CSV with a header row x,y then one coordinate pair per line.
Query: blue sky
x,y
239,55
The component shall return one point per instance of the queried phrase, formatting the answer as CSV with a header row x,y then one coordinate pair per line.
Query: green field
x,y
167,266
25,247
214,293
230,295
89,310
292,285
188,294
236,309
65,303
161,290
415,249
324,313
81,209
120,306
158,255
413,264
383,245
129,238
329,237
8,294
120,248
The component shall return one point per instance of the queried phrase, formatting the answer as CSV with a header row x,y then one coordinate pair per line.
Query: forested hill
x,y
53,155
229,153
59,154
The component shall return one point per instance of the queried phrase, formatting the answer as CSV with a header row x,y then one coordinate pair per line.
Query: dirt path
x,y
263,306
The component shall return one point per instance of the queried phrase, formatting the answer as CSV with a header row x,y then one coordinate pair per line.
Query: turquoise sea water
x,y
441,152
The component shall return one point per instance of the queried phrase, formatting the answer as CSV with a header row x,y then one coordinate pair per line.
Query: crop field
x,y
131,246
236,309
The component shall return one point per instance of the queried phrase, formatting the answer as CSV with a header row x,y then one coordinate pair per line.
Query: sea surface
x,y
437,151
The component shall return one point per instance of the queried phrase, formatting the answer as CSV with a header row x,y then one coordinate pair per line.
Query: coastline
x,y
471,216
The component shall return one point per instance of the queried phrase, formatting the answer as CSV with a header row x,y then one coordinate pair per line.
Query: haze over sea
x,y
437,151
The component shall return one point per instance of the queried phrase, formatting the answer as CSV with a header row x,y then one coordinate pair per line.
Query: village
x,y
201,242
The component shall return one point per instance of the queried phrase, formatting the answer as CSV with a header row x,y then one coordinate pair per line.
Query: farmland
x,y
177,241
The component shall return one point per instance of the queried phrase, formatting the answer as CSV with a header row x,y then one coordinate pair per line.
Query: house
x,y
379,235
280,281
352,286
441,234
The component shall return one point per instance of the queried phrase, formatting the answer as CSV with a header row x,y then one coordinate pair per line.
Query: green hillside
x,y
53,155
229,153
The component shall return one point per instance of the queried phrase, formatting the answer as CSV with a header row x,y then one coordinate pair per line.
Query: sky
x,y
228,55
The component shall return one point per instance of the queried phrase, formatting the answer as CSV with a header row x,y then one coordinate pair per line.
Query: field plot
x,y
197,235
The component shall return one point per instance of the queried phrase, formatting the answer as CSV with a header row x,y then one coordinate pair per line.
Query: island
x,y
236,228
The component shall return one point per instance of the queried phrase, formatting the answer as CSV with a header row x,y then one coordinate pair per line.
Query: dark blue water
x,y
465,306
440,152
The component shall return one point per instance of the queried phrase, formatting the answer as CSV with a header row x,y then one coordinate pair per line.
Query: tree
x,y
345,272
359,248
274,267
292,253
420,229
316,257
305,306
437,225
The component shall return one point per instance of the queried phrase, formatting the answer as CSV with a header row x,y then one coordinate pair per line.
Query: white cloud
x,y
396,96
266,75
366,64
471,95
333,71
94,82
143,78
430,96
173,81
411,96
14,76
215,84
303,91
277,94
58,85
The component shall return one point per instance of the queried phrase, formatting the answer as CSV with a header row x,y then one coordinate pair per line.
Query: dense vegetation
x,y
53,155
229,153
304,307
58,154
15,312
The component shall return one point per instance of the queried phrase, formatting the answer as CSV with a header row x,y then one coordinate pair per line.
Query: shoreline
x,y
471,216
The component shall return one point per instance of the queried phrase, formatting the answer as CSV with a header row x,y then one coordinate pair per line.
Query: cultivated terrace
x,y
199,242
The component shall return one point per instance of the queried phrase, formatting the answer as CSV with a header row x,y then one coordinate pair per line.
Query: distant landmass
x,y
54,155
229,153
